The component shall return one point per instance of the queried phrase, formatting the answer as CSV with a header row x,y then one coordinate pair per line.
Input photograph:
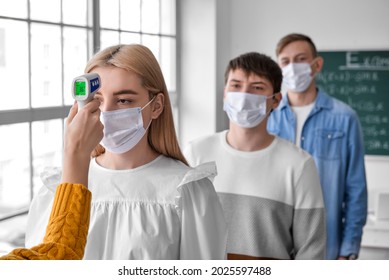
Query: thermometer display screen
x,y
80,88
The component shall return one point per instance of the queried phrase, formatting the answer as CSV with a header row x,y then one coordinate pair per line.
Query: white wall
x,y
214,31
197,68
204,50
332,24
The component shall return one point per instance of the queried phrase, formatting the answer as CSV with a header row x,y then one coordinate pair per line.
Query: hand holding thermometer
x,y
84,88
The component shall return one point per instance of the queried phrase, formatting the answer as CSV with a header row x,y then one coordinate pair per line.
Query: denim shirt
x,y
332,134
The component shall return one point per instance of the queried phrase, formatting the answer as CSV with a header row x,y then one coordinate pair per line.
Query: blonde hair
x,y
140,60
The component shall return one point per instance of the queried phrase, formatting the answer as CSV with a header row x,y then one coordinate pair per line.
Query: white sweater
x,y
272,198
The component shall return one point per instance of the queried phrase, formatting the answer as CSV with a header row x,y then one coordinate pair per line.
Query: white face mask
x,y
246,109
297,76
123,129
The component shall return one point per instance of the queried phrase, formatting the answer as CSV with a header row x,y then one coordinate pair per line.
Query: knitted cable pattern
x,y
67,230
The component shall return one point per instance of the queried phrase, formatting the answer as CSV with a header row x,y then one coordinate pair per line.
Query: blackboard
x,y
361,79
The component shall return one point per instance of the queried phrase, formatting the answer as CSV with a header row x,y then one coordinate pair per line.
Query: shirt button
x,y
329,136
302,138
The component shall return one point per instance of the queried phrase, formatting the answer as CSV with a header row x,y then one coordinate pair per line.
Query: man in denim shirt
x,y
330,131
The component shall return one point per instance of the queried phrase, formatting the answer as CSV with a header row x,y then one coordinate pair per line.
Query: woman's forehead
x,y
115,79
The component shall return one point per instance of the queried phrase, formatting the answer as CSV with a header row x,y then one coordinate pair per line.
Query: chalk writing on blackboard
x,y
356,62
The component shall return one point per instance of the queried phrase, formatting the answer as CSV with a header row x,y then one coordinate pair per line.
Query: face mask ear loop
x,y
149,124
312,63
152,99
273,95
145,107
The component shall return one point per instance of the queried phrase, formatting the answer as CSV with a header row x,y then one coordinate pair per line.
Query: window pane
x,y
168,61
74,12
45,10
14,8
109,13
129,38
74,58
130,15
46,148
14,167
12,233
108,38
150,16
168,17
46,77
13,65
152,42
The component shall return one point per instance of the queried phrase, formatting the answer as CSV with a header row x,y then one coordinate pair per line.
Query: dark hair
x,y
293,37
258,64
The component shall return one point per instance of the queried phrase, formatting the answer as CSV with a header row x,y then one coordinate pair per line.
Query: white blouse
x,y
161,210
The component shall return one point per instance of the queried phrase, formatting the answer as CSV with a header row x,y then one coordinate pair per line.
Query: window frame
x,y
93,29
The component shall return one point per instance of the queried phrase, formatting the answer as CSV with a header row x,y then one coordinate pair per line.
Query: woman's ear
x,y
157,105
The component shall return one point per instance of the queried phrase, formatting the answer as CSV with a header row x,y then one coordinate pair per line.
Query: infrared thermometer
x,y
84,88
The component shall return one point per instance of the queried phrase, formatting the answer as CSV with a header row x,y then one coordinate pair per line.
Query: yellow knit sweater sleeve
x,y
66,233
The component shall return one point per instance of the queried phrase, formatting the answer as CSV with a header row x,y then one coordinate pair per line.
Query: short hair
x,y
258,64
140,60
293,37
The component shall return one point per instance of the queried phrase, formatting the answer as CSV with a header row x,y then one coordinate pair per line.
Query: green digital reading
x,y
80,88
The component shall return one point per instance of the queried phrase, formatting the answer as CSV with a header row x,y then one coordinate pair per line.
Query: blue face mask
x,y
245,109
123,129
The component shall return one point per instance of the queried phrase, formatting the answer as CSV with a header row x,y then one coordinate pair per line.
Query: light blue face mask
x,y
123,129
297,76
246,109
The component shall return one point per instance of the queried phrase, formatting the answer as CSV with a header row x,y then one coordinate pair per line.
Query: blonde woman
x,y
147,203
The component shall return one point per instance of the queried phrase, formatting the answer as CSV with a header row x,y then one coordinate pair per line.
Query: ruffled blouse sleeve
x,y
41,205
203,227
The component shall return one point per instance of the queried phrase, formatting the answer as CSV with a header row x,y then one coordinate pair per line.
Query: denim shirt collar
x,y
323,101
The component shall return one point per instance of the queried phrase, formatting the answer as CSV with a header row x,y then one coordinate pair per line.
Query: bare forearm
x,y
75,168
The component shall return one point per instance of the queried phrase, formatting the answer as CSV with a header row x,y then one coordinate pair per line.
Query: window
x,y
43,46
148,22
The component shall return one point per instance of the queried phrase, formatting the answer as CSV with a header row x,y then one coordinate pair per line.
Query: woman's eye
x,y
123,101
